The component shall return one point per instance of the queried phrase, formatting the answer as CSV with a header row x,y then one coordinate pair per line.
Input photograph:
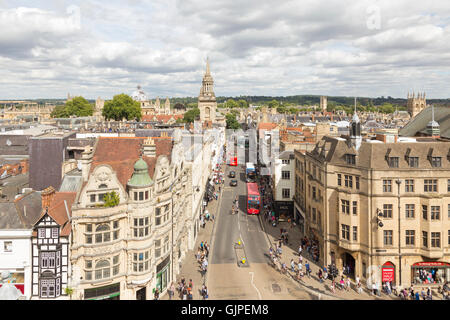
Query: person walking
x,y
292,265
300,249
171,291
156,294
308,270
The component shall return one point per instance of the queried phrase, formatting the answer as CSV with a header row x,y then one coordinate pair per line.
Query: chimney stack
x,y
47,196
149,147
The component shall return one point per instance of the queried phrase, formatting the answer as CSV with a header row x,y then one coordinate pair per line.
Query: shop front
x,y
430,273
111,292
284,210
299,219
163,274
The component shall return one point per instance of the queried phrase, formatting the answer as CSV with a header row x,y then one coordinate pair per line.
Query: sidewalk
x,y
290,251
190,267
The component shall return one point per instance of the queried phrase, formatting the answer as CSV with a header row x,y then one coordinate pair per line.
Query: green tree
x,y
231,104
122,106
273,104
293,110
111,199
191,115
232,123
281,109
242,103
387,108
78,106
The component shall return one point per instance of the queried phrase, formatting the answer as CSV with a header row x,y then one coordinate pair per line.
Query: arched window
x,y
102,269
102,233
102,186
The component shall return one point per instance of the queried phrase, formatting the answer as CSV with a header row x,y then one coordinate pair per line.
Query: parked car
x,y
232,174
233,183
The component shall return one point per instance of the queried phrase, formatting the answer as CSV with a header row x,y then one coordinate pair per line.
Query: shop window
x,y
7,246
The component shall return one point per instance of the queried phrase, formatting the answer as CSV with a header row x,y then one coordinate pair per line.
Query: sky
x,y
274,48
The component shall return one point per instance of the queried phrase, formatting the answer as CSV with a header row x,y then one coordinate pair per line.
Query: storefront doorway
x,y
141,294
388,273
348,264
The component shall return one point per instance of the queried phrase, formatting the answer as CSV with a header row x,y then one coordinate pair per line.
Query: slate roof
x,y
21,213
420,121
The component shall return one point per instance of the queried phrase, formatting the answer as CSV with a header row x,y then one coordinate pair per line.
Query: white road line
x,y
259,293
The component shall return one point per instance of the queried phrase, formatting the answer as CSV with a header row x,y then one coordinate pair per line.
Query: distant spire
x,y
207,66
355,105
432,113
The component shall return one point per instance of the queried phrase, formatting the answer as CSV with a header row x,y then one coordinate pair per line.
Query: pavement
x,y
191,268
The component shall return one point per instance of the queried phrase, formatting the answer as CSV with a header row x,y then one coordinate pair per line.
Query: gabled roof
x,y
266,126
420,121
21,213
123,152
57,211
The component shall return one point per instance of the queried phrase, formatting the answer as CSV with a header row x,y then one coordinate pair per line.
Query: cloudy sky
x,y
335,47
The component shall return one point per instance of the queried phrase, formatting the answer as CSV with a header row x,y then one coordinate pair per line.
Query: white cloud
x,y
96,48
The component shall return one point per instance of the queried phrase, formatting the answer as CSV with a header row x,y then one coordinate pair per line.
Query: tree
x,y
231,104
281,109
122,106
232,123
293,110
78,106
273,104
111,199
191,115
242,103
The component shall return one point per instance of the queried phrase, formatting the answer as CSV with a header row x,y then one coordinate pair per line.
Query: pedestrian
x,y
171,291
333,286
308,270
348,284
156,294
201,245
292,265
325,274
320,275
191,284
300,249
359,287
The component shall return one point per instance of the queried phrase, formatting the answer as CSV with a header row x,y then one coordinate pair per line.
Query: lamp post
x,y
398,182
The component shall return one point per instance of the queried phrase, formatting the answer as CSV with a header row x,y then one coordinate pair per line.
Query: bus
x,y
233,161
250,172
253,199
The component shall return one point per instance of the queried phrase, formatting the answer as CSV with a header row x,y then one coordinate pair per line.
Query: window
x,y
141,261
284,161
345,204
435,239
387,210
393,162
413,162
7,246
410,234
146,195
92,196
314,215
424,212
166,244
339,179
430,185
157,248
357,182
141,227
448,237
436,162
348,181
355,208
409,210
345,232
160,216
425,239
350,158
135,196
102,270
102,233
314,192
448,185
355,233
41,233
448,210
285,175
54,233
101,196
387,237
387,185
409,185
116,265
141,195
48,259
286,193
435,212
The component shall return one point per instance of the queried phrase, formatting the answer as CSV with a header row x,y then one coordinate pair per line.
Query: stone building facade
x,y
382,209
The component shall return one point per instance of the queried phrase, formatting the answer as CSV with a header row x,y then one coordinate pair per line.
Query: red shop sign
x,y
431,264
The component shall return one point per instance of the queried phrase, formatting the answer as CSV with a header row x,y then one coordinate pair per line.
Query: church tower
x,y
355,130
207,99
416,104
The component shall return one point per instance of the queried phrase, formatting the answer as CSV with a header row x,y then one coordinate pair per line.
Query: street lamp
x,y
379,216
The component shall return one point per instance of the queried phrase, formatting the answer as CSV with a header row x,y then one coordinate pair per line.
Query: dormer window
x,y
413,162
393,162
436,162
350,158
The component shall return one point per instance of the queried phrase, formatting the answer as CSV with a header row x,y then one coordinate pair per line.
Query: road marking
x,y
259,293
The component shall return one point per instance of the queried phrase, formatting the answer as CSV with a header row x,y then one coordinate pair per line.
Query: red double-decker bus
x,y
253,199
233,161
